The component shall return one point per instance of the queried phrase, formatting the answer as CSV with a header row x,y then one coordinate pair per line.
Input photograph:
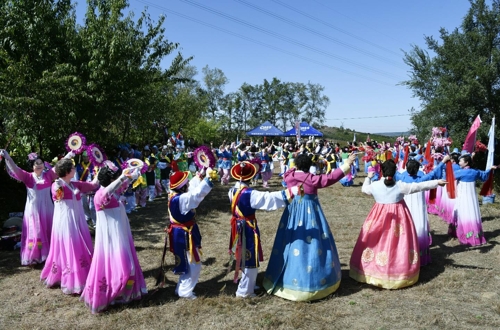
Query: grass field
x,y
459,290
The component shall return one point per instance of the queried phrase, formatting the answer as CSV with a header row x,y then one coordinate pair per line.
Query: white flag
x,y
491,145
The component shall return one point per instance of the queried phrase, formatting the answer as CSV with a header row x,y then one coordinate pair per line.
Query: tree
x,y
127,88
461,80
39,79
315,104
215,82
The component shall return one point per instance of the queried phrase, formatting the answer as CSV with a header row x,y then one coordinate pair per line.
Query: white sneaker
x,y
191,296
251,295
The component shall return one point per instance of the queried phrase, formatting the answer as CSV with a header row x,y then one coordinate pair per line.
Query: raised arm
x,y
410,188
270,201
13,170
367,188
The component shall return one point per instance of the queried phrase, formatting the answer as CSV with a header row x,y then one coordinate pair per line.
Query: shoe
x,y
251,295
191,296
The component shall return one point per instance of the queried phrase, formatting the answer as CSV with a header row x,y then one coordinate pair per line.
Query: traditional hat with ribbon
x,y
243,171
178,179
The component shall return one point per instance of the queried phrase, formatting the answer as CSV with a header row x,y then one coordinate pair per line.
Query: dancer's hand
x,y
370,175
442,182
4,153
211,174
446,158
70,155
132,174
352,157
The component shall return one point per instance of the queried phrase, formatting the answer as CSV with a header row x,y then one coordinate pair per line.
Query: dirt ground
x,y
459,290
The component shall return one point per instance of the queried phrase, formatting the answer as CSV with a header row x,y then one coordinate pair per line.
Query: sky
x,y
354,49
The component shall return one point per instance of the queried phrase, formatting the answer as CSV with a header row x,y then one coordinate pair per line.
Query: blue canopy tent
x,y
305,130
265,129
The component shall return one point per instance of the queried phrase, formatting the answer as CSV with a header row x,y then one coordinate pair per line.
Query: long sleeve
x,y
15,171
85,187
435,174
191,199
325,180
410,188
269,201
483,175
367,188
116,185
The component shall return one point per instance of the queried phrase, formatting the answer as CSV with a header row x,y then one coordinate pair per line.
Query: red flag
x,y
450,178
432,196
470,140
428,156
487,188
405,160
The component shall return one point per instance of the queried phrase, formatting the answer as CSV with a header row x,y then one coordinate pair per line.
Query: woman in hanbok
x,y
115,275
447,204
39,209
71,247
416,203
265,170
468,222
304,263
225,157
386,253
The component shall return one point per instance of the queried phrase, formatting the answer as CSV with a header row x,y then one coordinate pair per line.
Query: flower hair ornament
x,y
32,156
111,165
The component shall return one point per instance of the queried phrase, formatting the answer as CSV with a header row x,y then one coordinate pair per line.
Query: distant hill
x,y
343,135
395,134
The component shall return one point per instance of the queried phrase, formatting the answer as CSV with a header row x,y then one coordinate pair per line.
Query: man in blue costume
x,y
245,235
184,234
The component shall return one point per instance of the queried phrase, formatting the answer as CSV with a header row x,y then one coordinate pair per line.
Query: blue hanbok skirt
x,y
304,263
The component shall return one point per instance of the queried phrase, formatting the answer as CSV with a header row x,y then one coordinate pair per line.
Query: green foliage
x,y
106,79
461,80
279,102
102,79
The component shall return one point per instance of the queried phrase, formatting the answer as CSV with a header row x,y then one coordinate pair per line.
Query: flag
x,y
470,140
237,141
487,190
491,145
450,178
368,138
354,138
297,129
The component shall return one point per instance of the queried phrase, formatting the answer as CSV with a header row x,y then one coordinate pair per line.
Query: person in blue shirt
x,y
416,203
467,220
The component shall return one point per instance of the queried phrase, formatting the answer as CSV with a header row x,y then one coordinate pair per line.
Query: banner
x,y
470,140
491,145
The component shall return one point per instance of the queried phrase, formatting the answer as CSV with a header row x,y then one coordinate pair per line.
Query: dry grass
x,y
459,290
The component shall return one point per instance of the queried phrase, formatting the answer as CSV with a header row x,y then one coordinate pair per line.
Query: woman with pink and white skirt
x,y
71,248
115,275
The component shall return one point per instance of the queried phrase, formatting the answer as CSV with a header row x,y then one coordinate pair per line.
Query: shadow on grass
x,y
489,218
440,255
10,264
